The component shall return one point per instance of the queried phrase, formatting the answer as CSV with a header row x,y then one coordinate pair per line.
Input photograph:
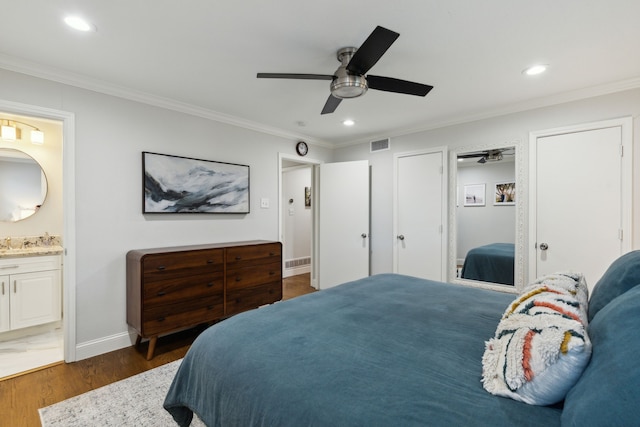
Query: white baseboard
x,y
103,345
296,270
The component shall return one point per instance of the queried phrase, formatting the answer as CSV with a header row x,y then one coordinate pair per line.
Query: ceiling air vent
x,y
380,145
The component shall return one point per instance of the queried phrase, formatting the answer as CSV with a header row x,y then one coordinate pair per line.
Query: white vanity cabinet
x,y
30,291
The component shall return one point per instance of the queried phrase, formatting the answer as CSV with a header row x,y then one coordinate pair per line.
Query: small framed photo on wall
x,y
474,195
505,193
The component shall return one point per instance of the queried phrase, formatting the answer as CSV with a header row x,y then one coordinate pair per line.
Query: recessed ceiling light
x,y
535,69
78,23
348,122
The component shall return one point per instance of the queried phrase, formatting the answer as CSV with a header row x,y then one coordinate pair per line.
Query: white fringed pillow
x,y
541,345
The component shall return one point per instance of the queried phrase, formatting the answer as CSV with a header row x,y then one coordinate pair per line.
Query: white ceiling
x,y
203,56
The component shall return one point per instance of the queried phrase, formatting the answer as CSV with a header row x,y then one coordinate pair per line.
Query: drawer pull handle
x,y
238,258
209,285
7,267
2,288
238,279
161,293
209,307
161,267
271,273
209,261
161,319
272,254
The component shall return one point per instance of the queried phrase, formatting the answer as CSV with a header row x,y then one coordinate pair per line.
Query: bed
x,y
396,350
490,263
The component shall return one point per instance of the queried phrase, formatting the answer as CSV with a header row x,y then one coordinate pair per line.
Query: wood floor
x,y
21,396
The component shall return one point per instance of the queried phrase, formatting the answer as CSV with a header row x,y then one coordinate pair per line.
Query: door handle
x,y
544,246
401,237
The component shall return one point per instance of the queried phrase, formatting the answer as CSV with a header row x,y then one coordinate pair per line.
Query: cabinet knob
x,y
161,319
271,273
210,284
238,258
238,279
209,307
161,293
161,267
209,261
272,254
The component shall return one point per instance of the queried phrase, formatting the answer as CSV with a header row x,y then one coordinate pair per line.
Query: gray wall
x,y
503,129
110,134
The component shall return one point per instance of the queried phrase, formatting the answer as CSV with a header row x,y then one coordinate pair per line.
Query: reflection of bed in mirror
x,y
490,263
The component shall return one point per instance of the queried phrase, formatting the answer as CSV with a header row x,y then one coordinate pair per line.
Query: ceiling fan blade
x,y
472,155
389,84
331,104
295,76
371,50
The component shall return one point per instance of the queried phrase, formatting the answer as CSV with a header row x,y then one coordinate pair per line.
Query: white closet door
x,y
343,223
578,202
419,217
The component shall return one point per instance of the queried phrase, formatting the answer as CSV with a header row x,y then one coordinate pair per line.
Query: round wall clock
x,y
302,148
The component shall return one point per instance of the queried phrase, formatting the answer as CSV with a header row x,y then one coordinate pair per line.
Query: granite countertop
x,y
33,251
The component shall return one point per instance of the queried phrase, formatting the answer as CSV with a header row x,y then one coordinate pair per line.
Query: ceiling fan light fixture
x,y
349,86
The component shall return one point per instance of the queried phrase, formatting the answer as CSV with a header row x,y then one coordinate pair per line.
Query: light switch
x,y
264,203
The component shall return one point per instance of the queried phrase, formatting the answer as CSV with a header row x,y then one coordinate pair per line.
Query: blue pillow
x,y
621,276
608,392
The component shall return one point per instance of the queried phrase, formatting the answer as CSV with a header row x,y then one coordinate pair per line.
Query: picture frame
x,y
175,184
474,195
505,194
307,197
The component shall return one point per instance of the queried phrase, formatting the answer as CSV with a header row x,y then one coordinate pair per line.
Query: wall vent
x,y
380,145
297,262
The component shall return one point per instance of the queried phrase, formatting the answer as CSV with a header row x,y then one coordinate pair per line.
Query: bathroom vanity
x,y
30,289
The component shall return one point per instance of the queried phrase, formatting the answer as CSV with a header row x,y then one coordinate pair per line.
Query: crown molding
x,y
532,104
81,81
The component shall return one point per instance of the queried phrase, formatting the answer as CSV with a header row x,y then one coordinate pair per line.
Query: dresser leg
x,y
152,347
138,339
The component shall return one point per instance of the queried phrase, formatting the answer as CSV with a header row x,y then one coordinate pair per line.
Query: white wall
x,y
297,218
481,225
110,135
503,129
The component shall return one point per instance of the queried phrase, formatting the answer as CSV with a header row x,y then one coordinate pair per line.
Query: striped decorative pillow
x,y
541,345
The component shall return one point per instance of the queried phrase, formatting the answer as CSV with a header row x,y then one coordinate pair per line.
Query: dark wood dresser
x,y
173,288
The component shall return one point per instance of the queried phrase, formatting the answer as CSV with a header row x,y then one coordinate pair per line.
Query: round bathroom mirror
x,y
23,185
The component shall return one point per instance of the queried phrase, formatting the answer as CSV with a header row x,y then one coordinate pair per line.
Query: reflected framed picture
x,y
505,194
174,184
474,195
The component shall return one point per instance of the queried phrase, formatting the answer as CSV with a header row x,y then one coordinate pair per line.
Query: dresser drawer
x,y
243,256
243,299
190,287
181,314
176,264
255,275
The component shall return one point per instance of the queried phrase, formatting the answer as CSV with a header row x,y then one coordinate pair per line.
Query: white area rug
x,y
135,401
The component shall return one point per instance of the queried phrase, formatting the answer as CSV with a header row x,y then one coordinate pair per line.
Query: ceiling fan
x,y
349,80
494,155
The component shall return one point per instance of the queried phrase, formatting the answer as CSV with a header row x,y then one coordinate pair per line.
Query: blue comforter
x,y
387,350
490,263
